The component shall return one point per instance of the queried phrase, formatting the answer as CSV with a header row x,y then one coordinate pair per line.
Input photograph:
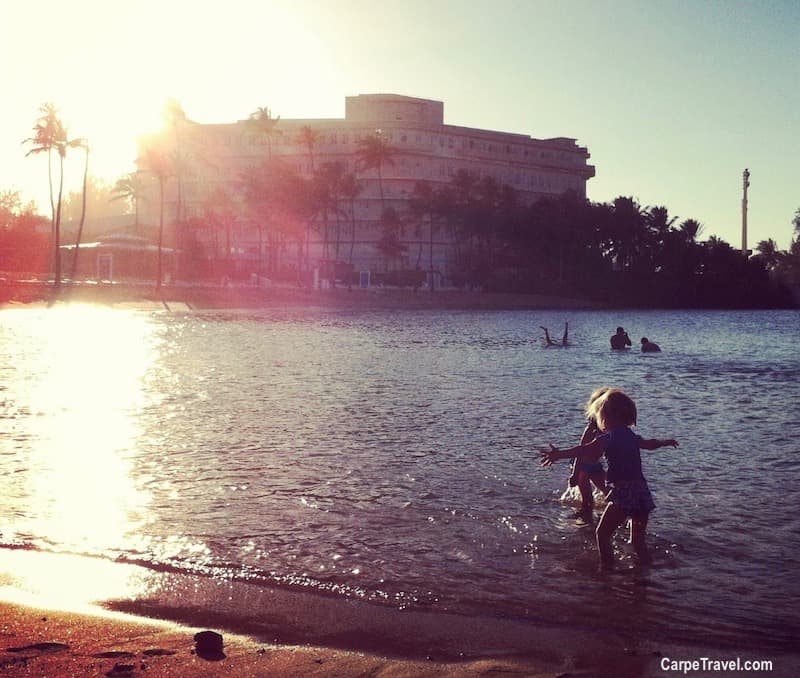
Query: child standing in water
x,y
587,468
630,497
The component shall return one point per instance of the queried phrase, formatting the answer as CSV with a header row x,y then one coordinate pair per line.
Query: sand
x,y
37,642
42,642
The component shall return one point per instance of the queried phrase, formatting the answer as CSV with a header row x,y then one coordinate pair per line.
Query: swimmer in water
x,y
564,339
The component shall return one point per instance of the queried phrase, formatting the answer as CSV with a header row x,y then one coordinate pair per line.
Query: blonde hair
x,y
614,407
589,410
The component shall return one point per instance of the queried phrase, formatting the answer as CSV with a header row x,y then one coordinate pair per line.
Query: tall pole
x,y
745,185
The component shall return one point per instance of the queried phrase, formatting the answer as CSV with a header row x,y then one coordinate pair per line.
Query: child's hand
x,y
548,456
670,443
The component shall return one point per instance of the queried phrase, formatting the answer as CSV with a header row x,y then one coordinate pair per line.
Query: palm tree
x,y
349,190
769,252
626,229
309,138
84,144
220,211
332,190
162,167
796,223
50,134
658,226
373,153
130,188
174,116
263,125
690,229
423,203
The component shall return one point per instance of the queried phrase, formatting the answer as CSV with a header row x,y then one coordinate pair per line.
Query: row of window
x,y
416,170
425,140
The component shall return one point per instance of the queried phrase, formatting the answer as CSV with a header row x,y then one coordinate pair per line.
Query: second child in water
x,y
630,496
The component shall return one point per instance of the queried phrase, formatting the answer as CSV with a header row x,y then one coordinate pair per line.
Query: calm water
x,y
391,457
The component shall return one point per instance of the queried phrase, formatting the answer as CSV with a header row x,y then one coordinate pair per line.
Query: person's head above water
x,y
620,330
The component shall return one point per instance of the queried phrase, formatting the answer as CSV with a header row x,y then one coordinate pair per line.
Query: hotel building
x,y
425,149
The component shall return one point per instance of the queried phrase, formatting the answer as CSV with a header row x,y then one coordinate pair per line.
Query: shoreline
x,y
211,297
286,633
108,631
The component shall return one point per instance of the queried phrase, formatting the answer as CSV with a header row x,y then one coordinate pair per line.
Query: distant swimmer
x,y
650,346
620,340
564,339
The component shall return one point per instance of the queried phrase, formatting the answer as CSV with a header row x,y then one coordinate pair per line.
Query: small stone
x,y
208,644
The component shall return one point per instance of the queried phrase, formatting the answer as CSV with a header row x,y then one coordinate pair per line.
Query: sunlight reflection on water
x,y
73,474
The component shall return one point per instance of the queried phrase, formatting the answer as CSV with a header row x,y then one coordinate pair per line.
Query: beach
x,y
38,642
46,642
60,617
66,615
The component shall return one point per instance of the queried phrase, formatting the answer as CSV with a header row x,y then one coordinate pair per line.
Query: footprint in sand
x,y
158,652
40,647
114,654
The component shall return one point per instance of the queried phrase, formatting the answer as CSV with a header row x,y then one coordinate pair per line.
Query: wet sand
x,y
41,642
62,614
47,628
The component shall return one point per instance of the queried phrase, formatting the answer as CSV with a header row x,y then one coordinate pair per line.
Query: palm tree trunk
x,y
57,280
430,254
160,233
53,250
83,217
352,230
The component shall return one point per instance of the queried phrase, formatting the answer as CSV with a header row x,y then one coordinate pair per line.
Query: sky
x,y
673,99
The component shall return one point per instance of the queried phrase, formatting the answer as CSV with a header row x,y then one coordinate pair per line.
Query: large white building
x,y
214,157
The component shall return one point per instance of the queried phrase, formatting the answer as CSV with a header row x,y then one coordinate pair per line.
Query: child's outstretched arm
x,y
548,457
654,443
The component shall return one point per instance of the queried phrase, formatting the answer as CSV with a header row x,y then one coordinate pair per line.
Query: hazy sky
x,y
672,98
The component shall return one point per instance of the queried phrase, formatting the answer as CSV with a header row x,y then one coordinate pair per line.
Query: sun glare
x,y
67,582
83,399
124,62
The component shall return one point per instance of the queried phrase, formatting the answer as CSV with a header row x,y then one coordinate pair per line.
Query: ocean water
x,y
391,458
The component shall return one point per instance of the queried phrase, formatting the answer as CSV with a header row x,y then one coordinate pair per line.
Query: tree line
x,y
619,251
